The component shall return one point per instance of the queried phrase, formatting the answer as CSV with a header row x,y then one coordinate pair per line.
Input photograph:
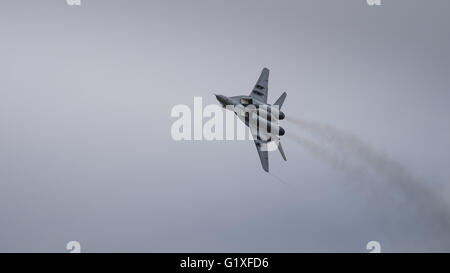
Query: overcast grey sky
x,y
85,146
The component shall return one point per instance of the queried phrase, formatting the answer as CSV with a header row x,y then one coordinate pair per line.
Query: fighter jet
x,y
261,117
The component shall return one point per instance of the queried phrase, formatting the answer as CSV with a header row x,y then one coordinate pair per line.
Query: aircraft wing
x,y
261,87
261,147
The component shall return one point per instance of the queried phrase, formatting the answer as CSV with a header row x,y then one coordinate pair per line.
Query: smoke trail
x,y
347,152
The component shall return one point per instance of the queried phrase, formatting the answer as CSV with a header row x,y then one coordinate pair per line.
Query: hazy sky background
x,y
85,146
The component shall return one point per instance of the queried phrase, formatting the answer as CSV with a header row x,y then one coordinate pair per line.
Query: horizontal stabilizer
x,y
280,148
263,154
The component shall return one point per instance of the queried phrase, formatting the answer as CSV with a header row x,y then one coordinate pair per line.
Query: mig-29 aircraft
x,y
261,117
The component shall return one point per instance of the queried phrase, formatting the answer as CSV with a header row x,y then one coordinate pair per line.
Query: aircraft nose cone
x,y
222,99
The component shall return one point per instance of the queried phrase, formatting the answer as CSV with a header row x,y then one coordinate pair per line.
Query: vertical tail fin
x,y
280,100
280,148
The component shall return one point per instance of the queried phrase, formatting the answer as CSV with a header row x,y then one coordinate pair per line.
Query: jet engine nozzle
x,y
281,116
281,131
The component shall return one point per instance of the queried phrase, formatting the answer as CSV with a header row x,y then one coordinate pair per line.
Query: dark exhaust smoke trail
x,y
350,154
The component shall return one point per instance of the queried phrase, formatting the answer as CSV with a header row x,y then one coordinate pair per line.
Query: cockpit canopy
x,y
246,100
